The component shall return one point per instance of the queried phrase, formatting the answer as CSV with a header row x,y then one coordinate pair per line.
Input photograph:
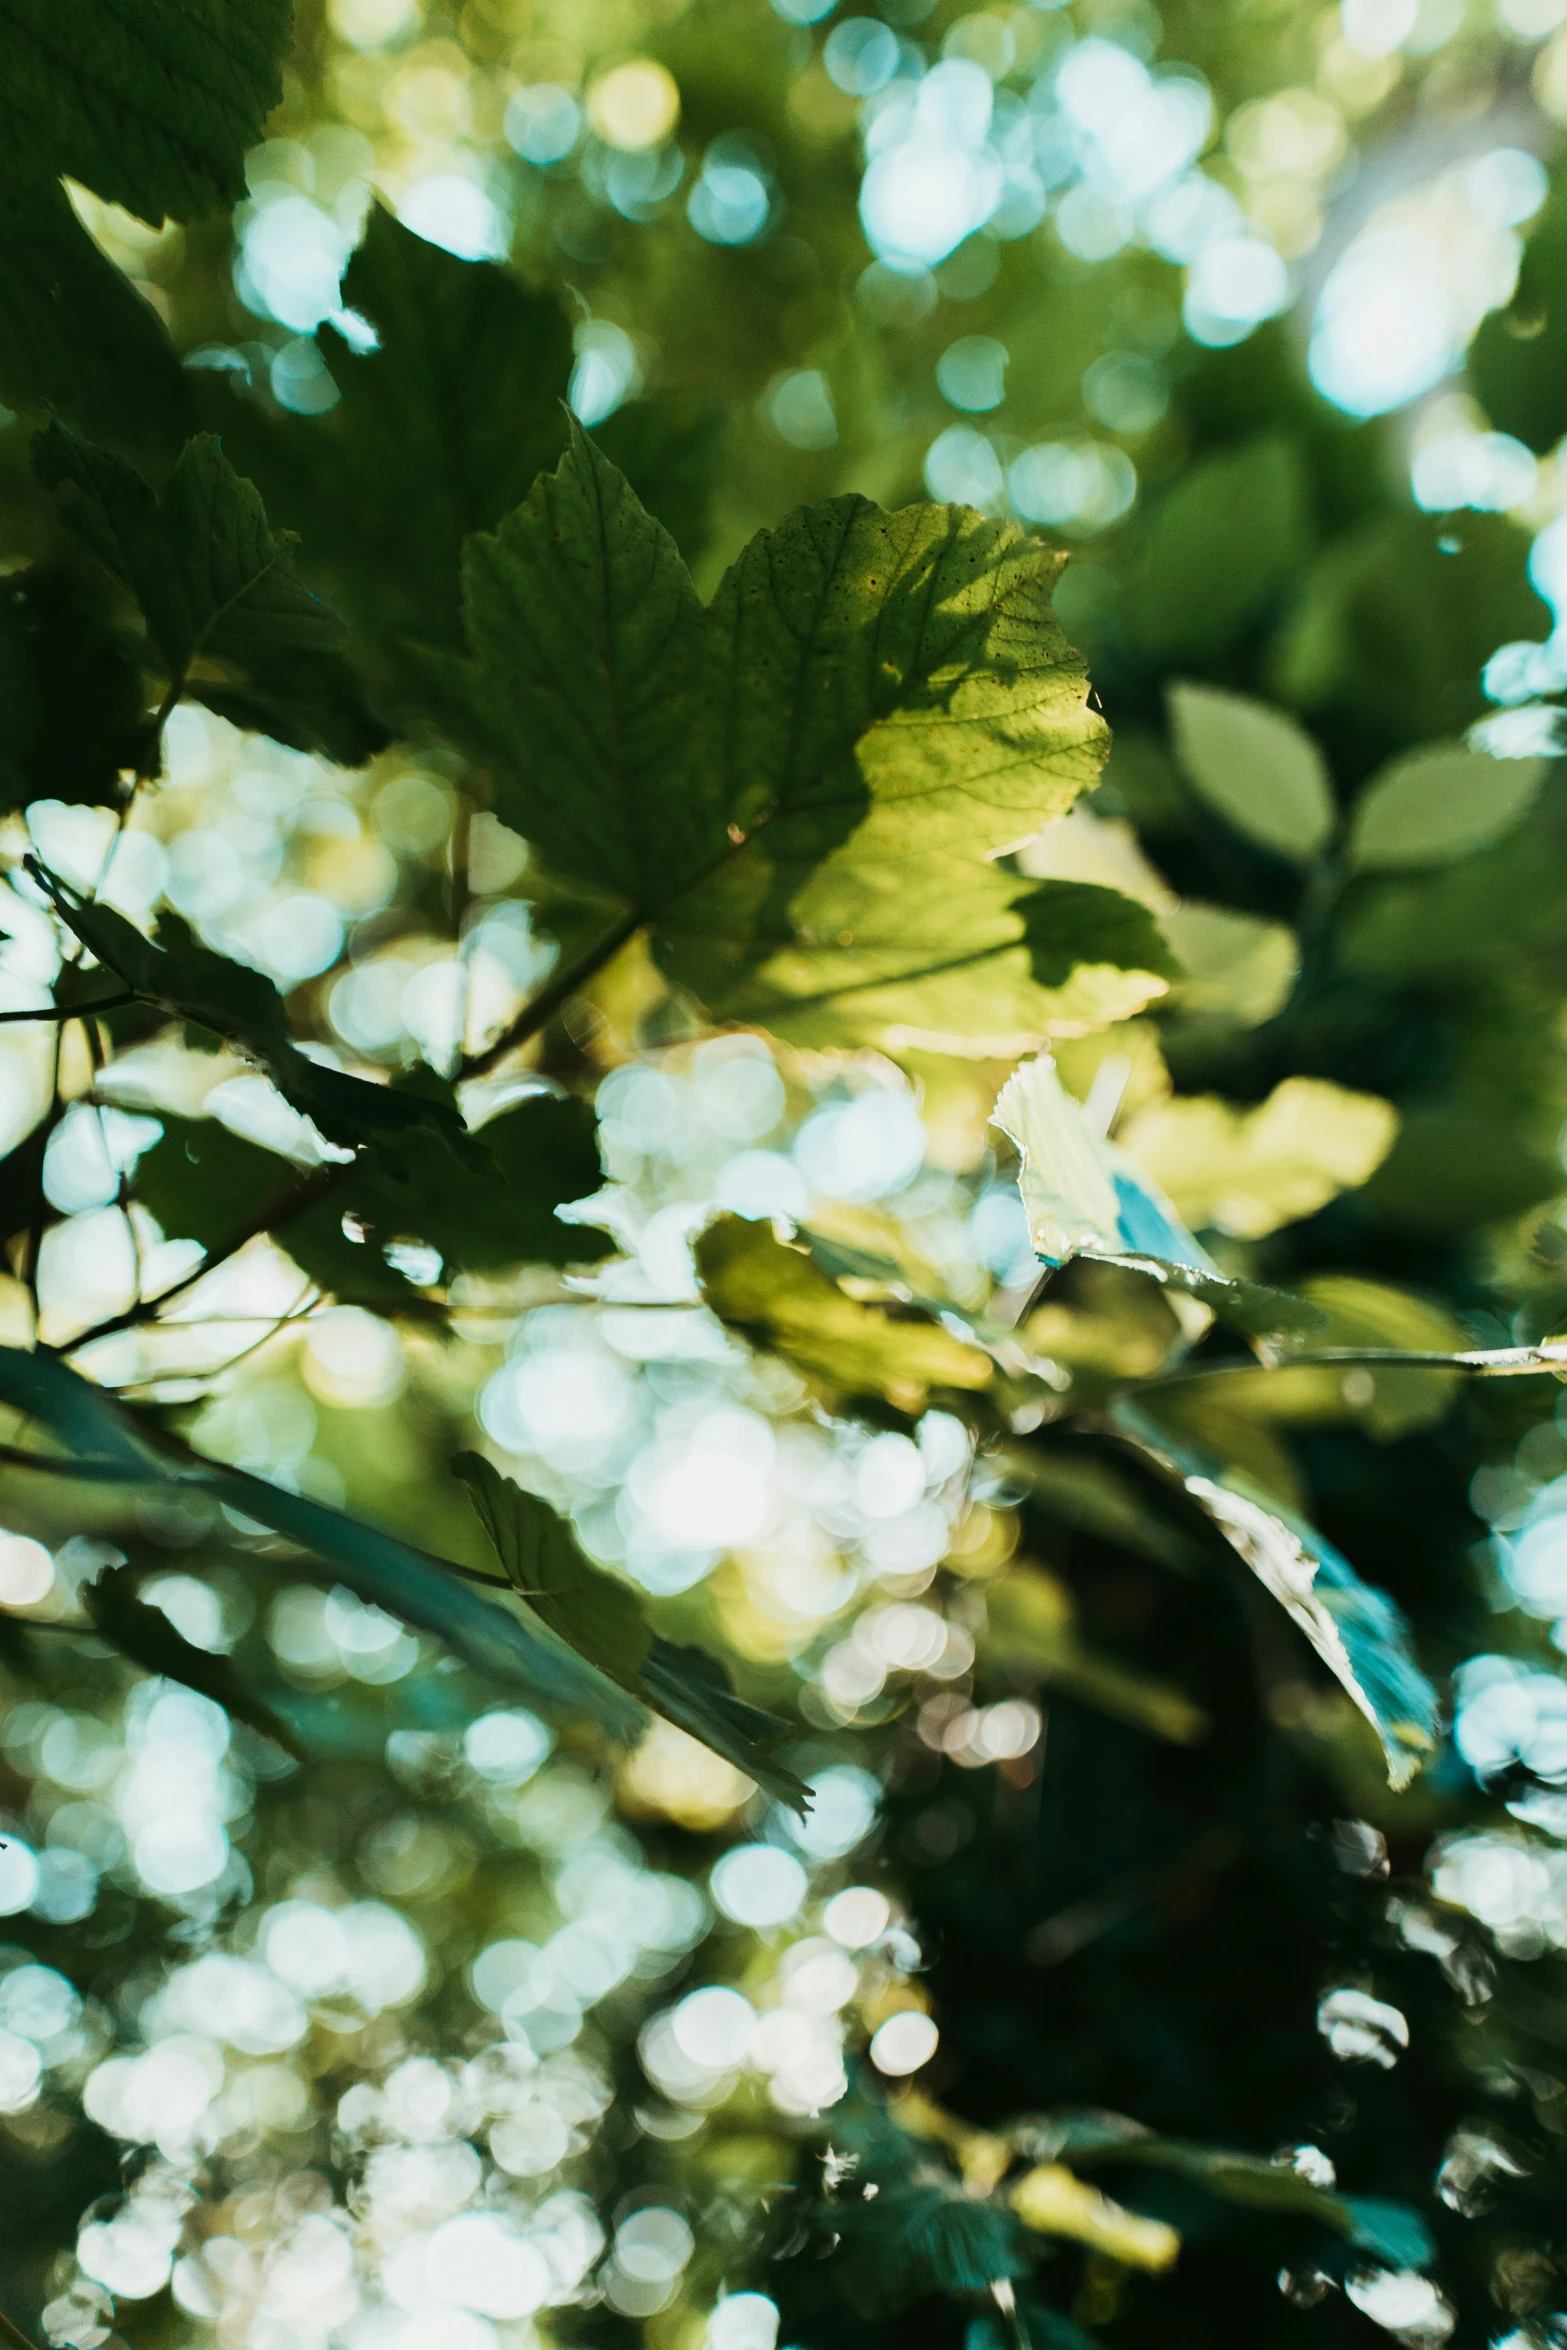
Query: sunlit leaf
x,y
1255,767
1053,2202
603,1620
1356,1629
1246,1172
779,1298
1083,1197
867,692
915,952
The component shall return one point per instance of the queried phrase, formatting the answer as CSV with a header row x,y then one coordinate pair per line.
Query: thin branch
x,y
14,2335
109,1003
550,999
1501,1362
268,1219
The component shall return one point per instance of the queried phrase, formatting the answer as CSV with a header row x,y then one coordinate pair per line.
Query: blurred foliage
x,y
568,934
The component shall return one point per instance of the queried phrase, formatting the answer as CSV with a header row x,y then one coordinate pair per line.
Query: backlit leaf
x,y
867,692
780,1299
1246,1172
1084,1197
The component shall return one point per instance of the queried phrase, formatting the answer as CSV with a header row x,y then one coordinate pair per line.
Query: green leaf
x,y
1391,2231
902,2225
145,1635
542,1153
878,690
105,1440
1084,1197
782,1301
1395,623
189,982
71,713
917,953
600,1618
1235,967
216,586
1518,360
1486,914
439,430
1222,542
603,1620
1356,1629
1254,767
668,450
152,106
74,333
1438,804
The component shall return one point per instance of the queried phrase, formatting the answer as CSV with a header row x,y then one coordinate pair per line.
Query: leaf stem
x,y
108,1003
549,1000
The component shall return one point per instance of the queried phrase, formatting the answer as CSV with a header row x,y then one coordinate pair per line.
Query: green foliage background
x,y
428,808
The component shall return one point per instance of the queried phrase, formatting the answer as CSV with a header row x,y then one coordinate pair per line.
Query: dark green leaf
x,y
1518,360
603,1620
905,2225
71,710
667,449
216,586
1392,2231
377,1566
151,105
867,693
189,982
592,1612
439,430
1356,1629
542,1154
1397,620
1222,542
75,334
145,1635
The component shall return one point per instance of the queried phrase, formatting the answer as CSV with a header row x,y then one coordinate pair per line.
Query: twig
x,y
14,2335
549,1000
110,1003
268,1219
